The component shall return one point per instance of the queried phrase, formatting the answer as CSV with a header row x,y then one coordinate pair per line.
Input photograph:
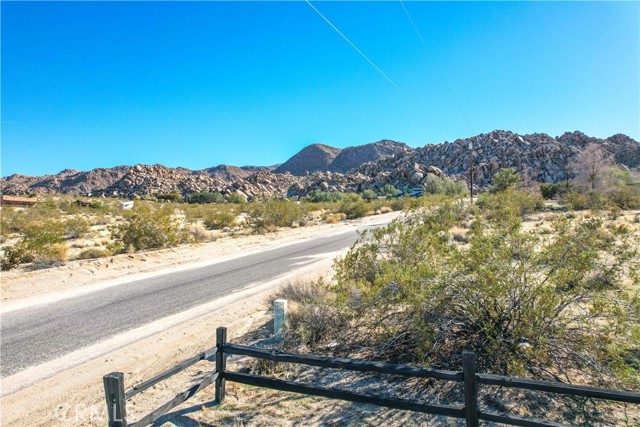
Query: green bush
x,y
76,227
275,213
354,207
171,197
205,197
236,198
14,256
435,185
504,179
389,190
317,196
575,200
517,299
549,190
369,195
146,229
509,206
627,197
219,220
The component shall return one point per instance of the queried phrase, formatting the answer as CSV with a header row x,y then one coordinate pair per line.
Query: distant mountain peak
x,y
312,158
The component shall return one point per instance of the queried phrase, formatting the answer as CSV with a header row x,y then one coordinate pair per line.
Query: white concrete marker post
x,y
279,315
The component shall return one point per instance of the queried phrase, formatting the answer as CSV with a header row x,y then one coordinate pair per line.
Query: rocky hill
x,y
352,157
312,158
539,156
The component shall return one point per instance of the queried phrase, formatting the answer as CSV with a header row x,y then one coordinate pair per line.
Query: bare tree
x,y
591,164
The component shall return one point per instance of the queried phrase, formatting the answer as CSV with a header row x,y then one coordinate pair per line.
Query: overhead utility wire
x,y
359,51
424,45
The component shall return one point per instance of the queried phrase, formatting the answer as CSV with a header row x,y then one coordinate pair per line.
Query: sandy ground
x,y
74,396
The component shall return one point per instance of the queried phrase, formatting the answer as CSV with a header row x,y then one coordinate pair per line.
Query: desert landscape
x,y
341,214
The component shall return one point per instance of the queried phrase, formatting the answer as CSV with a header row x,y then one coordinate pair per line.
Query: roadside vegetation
x,y
58,229
534,294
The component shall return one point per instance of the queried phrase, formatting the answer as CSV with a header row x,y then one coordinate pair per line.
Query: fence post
x,y
115,397
470,389
221,363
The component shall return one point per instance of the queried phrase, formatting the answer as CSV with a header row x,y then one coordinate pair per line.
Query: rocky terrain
x,y
352,157
354,169
312,158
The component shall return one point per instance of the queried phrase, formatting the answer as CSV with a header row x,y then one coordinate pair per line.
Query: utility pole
x,y
471,170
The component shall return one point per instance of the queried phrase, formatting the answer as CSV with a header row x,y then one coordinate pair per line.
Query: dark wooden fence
x,y
470,411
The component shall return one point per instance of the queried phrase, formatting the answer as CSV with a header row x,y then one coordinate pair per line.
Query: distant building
x,y
24,202
126,205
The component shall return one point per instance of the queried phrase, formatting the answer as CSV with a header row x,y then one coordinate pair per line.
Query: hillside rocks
x,y
539,156
352,157
313,158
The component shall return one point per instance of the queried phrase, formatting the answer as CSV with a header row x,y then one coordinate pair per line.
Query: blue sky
x,y
198,84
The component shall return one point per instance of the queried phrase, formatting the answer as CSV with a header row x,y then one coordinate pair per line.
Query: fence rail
x,y
116,396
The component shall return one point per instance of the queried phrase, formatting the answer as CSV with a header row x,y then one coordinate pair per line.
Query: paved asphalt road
x,y
38,334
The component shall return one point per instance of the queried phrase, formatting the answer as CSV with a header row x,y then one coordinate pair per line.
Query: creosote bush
x,y
268,215
354,207
545,305
144,228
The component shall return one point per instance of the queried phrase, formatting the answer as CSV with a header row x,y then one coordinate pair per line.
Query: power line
x,y
444,81
359,51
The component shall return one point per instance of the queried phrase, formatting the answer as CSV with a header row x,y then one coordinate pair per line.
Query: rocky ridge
x,y
312,158
539,156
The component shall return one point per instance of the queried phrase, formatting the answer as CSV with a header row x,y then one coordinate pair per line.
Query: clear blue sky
x,y
198,84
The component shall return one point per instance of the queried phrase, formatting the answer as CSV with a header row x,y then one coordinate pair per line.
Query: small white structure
x,y
126,205
279,315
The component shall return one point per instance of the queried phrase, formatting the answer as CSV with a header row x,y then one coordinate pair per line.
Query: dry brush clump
x,y
561,305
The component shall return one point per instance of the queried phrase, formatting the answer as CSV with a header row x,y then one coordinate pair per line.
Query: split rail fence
x,y
470,411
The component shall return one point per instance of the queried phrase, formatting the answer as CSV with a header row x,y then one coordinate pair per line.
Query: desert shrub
x,y
550,190
94,253
170,197
504,179
317,196
43,233
219,220
509,204
517,299
275,213
575,200
205,197
76,227
369,194
236,198
312,319
302,291
48,255
334,218
594,200
625,197
15,255
147,229
398,204
389,190
312,324
354,207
